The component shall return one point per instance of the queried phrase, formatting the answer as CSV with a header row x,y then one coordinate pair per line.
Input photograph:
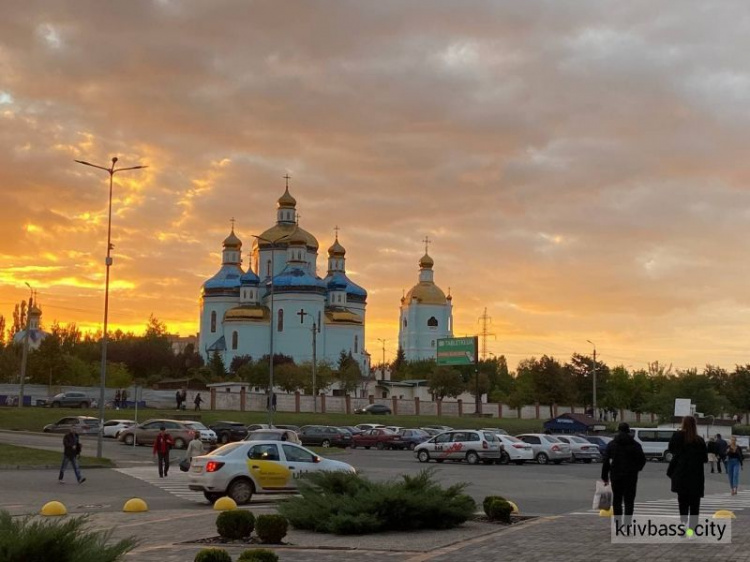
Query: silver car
x,y
547,448
471,445
581,448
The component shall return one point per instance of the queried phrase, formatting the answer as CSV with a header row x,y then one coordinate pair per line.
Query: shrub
x,y
236,524
346,503
258,555
61,540
487,501
499,510
213,555
271,528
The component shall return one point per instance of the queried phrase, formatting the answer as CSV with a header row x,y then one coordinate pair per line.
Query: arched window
x,y
405,323
356,344
235,340
213,321
319,321
432,322
432,343
268,268
280,321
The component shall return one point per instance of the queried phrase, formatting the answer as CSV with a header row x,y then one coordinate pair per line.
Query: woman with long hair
x,y
689,454
734,464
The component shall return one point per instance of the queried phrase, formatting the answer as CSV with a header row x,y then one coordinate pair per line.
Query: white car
x,y
515,450
206,435
240,470
112,428
471,445
367,426
582,449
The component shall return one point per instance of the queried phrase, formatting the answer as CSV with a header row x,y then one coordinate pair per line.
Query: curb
x,y
47,467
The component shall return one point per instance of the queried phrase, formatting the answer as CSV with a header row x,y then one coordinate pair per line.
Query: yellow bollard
x,y
135,505
514,506
724,514
225,504
54,508
605,512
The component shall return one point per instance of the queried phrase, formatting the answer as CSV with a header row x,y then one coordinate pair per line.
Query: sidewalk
x,y
569,538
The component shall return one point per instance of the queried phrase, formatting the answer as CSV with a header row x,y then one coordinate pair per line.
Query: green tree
x,y
445,381
552,383
619,390
738,389
118,375
288,377
216,367
398,372
349,374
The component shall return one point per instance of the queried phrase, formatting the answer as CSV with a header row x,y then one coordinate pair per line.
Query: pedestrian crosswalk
x,y
668,507
176,483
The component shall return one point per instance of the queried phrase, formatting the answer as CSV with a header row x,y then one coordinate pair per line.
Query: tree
x,y
118,375
619,390
238,361
445,381
216,367
551,382
2,330
397,367
349,374
323,376
289,377
738,388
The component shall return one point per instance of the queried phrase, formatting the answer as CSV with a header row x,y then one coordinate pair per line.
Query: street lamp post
x,y
108,263
271,323
593,372
25,355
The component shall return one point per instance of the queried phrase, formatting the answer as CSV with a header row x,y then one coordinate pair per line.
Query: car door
x,y
298,461
64,424
534,441
441,443
267,469
146,433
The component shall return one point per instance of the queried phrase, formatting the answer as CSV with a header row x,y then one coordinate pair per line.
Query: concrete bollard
x,y
724,514
135,505
225,504
54,508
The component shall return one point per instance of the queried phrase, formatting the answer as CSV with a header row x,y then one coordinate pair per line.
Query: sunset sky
x,y
581,167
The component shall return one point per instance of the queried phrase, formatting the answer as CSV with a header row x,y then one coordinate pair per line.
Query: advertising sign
x,y
458,351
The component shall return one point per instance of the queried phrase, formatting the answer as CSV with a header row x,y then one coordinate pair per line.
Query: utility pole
x,y
314,365
382,364
593,373
486,321
25,356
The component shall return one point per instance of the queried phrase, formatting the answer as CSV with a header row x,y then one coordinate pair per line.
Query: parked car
x,y
273,435
112,428
239,470
228,431
324,436
471,445
547,448
70,400
413,437
655,442
145,433
256,426
515,450
378,438
438,427
600,441
374,409
431,431
351,429
84,425
496,430
580,448
394,428
206,435
294,428
365,426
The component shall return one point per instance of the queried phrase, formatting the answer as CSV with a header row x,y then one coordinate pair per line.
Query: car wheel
x,y
55,404
367,447
46,430
212,496
179,443
587,461
504,458
380,446
224,438
542,458
557,462
326,443
668,456
439,460
84,405
423,456
412,446
129,439
472,457
519,463
241,491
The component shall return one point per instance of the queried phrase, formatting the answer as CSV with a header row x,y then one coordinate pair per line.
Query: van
x,y
654,441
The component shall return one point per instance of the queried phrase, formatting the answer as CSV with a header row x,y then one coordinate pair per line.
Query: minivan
x,y
655,441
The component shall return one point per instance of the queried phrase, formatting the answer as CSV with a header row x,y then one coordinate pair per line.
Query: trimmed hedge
x,y
258,555
346,503
213,555
488,500
271,528
499,510
235,524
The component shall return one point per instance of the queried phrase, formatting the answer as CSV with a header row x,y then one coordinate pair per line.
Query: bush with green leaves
x,y
258,555
213,555
61,540
346,503
271,528
499,510
235,524
488,500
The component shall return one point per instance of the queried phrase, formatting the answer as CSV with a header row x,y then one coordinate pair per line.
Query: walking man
x,y
71,452
623,460
721,451
117,399
178,399
162,445
197,402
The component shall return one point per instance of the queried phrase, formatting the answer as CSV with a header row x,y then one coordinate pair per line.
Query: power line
x,y
486,321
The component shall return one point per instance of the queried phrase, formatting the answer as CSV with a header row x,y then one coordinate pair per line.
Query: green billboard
x,y
458,351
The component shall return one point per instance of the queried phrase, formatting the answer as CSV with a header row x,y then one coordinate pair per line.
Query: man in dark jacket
x,y
623,460
721,451
71,452
162,445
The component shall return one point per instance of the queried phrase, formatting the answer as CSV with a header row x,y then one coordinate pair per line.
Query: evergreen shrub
x,y
235,524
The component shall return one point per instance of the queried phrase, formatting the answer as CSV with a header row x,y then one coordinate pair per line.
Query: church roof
x,y
286,200
249,278
426,262
218,345
293,276
336,250
248,312
228,277
426,292
341,315
232,241
339,281
281,232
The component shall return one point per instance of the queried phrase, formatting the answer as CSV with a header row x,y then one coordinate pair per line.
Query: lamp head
x,y
114,160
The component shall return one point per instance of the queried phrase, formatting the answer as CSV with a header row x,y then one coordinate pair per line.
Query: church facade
x,y
279,299
426,315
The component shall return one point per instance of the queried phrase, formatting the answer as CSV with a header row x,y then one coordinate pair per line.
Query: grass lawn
x,y
35,418
12,455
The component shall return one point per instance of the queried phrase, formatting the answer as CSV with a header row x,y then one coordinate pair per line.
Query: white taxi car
x,y
241,469
471,445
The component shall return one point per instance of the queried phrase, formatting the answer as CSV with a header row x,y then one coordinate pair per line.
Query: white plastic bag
x,y
602,496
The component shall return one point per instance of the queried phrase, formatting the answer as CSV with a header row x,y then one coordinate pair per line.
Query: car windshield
x,y
551,439
512,439
579,440
266,435
196,425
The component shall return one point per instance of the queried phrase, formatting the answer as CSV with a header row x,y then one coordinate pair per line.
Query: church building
x,y
279,299
426,315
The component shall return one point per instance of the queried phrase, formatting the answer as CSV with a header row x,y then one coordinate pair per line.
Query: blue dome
x,y
228,277
249,278
339,281
293,277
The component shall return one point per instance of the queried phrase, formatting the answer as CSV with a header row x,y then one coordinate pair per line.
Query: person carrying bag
x,y
623,460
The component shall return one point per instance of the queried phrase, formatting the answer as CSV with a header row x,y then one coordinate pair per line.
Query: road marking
x,y
668,507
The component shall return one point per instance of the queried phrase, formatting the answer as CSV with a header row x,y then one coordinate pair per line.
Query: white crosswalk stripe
x,y
176,483
668,507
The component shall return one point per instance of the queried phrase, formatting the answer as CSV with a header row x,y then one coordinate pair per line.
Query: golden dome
x,y
247,312
336,250
232,241
287,201
426,293
297,237
282,232
426,262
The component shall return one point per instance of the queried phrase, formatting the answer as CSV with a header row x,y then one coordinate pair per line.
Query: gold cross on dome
x,y
336,229
232,221
427,242
287,177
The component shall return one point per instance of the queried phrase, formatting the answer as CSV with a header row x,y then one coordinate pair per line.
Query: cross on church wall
x,y
302,315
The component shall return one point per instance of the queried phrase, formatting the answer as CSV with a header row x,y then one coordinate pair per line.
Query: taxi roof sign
x,y
458,351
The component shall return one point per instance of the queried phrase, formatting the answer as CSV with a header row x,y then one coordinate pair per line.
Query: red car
x,y
378,438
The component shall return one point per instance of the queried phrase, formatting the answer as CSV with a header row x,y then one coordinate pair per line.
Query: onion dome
x,y
232,241
338,281
296,278
336,250
426,262
249,278
279,234
426,293
228,278
286,201
297,238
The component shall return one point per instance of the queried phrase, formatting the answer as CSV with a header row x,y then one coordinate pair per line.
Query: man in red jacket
x,y
162,445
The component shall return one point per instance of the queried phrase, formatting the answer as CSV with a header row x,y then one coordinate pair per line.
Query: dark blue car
x,y
413,437
598,440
